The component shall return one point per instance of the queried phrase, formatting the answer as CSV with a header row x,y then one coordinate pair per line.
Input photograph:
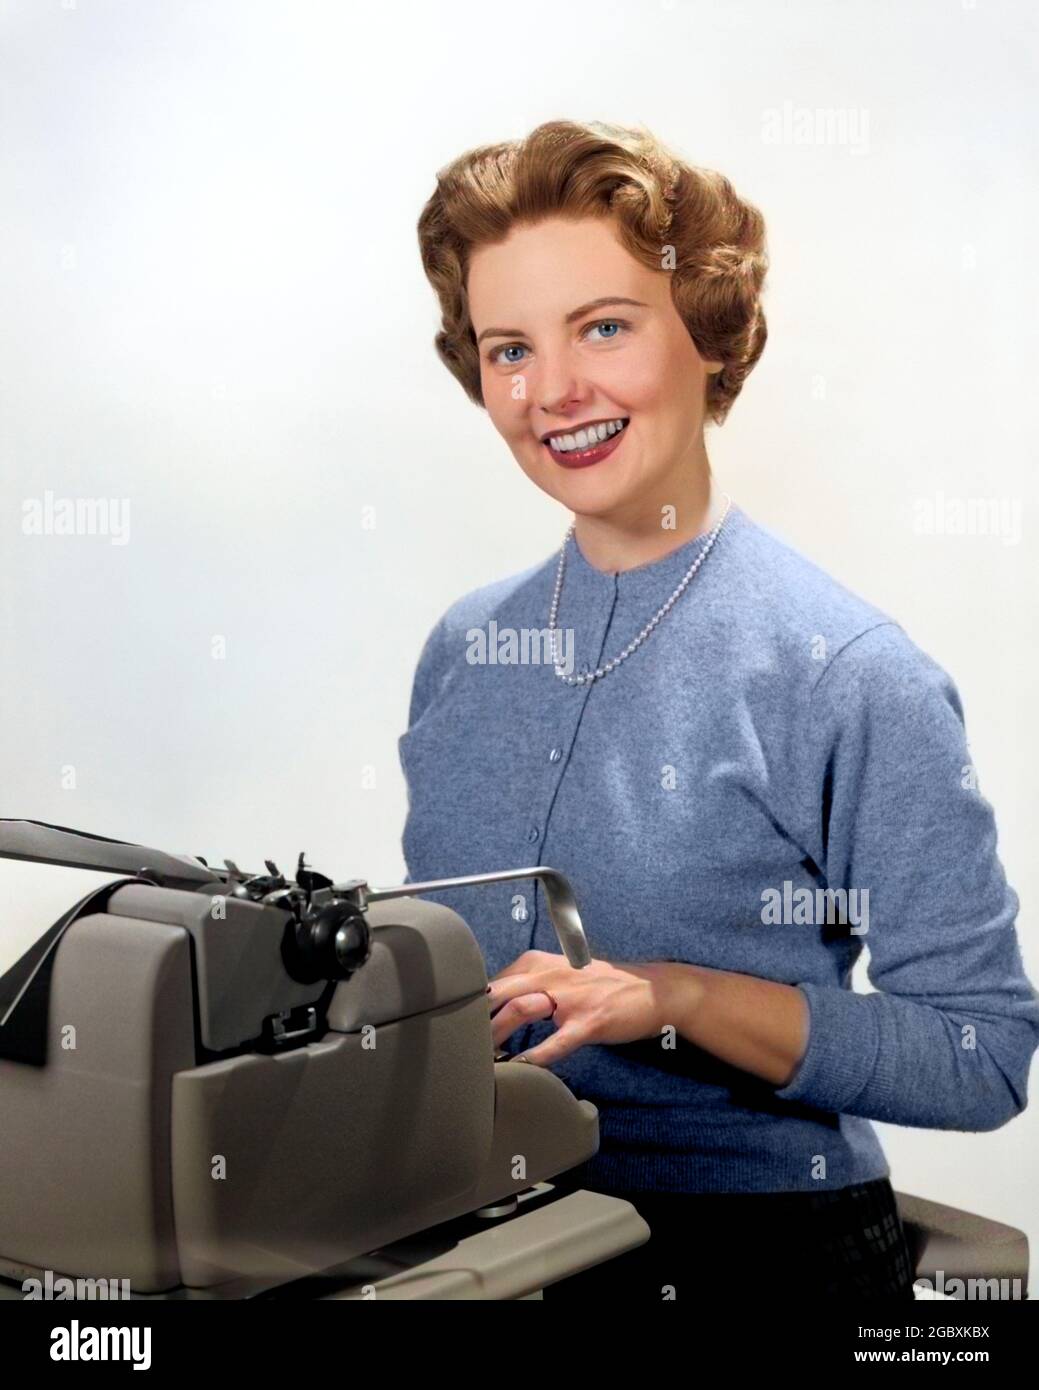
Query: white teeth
x,y
593,434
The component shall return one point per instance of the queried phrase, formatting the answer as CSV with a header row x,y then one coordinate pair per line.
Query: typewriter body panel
x,y
206,1123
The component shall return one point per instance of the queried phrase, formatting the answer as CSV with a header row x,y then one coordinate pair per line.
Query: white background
x,y
214,308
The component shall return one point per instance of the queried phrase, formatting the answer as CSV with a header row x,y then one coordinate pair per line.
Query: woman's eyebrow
x,y
571,316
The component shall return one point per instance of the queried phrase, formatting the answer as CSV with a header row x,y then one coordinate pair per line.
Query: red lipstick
x,y
583,458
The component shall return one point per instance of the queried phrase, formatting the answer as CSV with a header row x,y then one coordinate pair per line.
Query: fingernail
x,y
487,990
520,1059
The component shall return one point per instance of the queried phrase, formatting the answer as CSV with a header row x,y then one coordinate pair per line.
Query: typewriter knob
x,y
329,942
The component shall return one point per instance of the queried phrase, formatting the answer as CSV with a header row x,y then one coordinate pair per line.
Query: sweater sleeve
x,y
426,678
424,685
947,1036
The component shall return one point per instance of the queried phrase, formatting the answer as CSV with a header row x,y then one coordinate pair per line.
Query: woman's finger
x,y
528,1008
557,1046
501,990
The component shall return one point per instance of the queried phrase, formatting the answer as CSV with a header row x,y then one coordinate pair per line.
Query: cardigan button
x,y
533,833
555,755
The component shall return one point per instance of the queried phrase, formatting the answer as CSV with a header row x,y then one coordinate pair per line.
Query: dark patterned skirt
x,y
844,1244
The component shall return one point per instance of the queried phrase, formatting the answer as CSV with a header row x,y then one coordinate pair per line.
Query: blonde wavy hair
x,y
669,216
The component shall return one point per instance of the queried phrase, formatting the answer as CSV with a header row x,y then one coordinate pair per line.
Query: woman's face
x,y
555,355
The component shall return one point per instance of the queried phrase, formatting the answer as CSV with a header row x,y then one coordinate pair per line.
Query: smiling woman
x,y
740,733
597,222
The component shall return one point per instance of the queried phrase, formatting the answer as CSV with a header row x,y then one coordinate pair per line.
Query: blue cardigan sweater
x,y
774,738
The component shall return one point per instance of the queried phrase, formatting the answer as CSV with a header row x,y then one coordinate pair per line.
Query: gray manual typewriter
x,y
216,1084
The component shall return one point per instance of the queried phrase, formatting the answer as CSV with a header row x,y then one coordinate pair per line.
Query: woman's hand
x,y
602,1003
760,1026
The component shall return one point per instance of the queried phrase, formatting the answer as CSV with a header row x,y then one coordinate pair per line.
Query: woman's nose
x,y
557,382
556,396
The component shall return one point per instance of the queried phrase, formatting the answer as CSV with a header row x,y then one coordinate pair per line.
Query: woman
x,y
745,771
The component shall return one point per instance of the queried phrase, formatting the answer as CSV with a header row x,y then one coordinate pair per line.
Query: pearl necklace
x,y
636,642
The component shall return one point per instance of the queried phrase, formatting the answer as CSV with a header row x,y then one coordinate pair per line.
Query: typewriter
x,y
218,1084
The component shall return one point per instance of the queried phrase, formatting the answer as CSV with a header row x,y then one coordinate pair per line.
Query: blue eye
x,y
511,360
620,325
609,323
